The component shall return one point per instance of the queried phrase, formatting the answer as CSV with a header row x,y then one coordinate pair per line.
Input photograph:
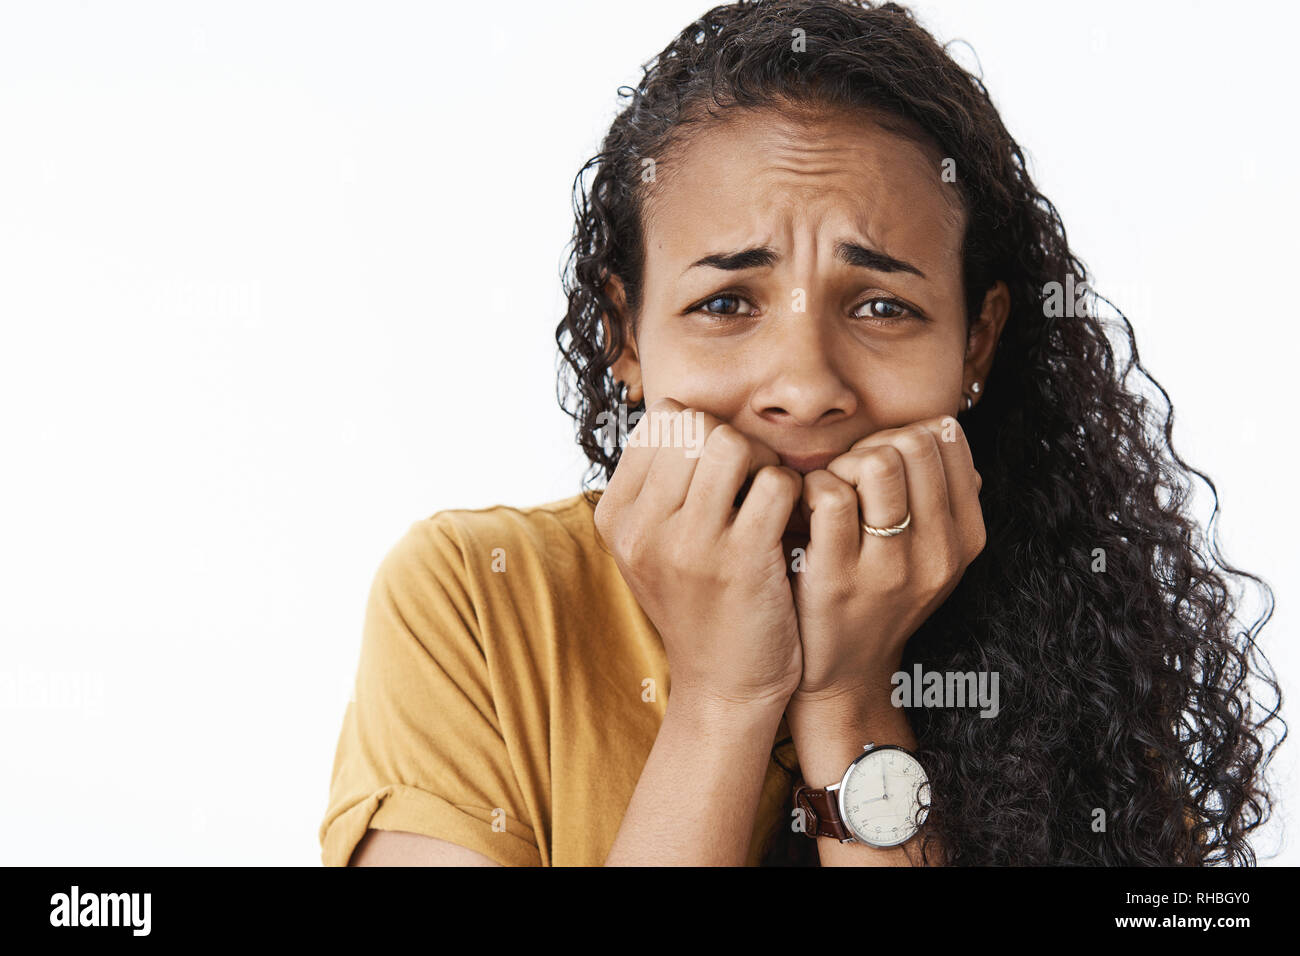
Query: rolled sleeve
x,y
398,807
421,748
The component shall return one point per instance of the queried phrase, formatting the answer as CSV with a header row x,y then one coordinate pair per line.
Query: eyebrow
x,y
848,252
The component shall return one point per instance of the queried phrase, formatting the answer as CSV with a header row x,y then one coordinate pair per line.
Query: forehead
x,y
767,176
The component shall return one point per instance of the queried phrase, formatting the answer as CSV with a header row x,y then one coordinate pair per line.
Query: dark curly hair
x,y
1127,689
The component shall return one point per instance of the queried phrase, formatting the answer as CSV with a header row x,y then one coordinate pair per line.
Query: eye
x,y
724,311
885,310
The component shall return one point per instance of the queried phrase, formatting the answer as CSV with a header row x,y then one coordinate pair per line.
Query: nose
x,y
802,385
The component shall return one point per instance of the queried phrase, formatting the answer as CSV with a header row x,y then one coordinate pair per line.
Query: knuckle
x,y
665,406
773,481
954,560
840,586
944,564
662,418
917,440
882,462
726,443
682,552
632,542
946,428
891,577
830,492
792,482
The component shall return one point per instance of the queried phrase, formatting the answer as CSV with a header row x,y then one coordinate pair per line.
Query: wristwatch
x,y
882,799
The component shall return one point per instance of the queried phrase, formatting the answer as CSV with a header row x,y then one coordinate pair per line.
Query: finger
x,y
927,486
636,458
766,509
728,459
669,477
879,476
963,481
834,512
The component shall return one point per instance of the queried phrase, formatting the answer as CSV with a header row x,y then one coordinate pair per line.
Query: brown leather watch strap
x,y
821,813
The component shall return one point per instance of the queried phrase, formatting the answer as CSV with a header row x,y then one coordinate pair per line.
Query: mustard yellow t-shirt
x,y
502,700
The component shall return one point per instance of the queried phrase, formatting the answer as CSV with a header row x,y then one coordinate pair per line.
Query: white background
x,y
278,279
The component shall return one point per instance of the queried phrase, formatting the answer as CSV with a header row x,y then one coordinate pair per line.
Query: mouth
x,y
800,463
806,463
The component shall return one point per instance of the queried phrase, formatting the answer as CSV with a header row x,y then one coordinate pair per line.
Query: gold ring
x,y
888,532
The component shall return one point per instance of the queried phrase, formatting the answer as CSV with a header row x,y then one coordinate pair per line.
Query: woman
x,y
887,438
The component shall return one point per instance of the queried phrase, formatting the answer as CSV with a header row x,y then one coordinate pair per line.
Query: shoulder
x,y
544,541
569,517
556,525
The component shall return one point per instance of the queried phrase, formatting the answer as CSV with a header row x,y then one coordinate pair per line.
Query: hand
x,y
861,597
710,576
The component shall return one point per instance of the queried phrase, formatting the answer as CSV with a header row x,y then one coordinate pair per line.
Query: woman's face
x,y
803,282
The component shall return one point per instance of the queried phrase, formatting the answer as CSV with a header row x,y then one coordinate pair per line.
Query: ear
x,y
627,365
982,340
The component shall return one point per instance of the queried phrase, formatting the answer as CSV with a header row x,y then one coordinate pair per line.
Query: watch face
x,y
884,799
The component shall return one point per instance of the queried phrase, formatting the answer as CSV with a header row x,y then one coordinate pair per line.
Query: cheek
x,y
913,384
713,380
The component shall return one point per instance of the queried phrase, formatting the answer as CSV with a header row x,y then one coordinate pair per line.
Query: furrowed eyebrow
x,y
735,261
847,252
856,255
